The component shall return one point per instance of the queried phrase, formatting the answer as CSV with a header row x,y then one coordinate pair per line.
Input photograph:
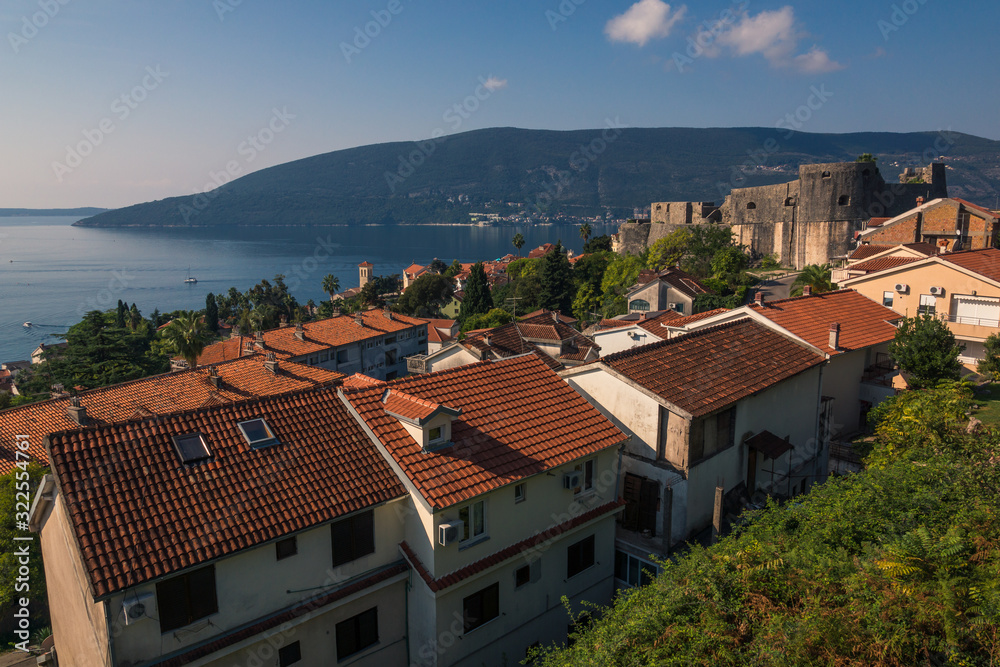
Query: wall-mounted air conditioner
x,y
902,288
937,291
572,479
137,607
448,533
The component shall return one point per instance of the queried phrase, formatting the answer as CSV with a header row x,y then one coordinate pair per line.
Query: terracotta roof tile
x,y
984,262
976,207
863,322
320,335
518,419
361,380
877,222
139,513
881,264
655,324
547,314
691,319
710,369
866,251
504,554
240,379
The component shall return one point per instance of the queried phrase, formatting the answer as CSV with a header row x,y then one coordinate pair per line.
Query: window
x,y
353,537
640,305
435,434
421,333
286,548
185,599
192,448
751,206
634,571
887,298
642,499
313,360
390,340
587,478
579,556
522,576
826,174
357,633
341,356
519,493
789,201
390,357
257,433
844,200
324,356
482,607
928,305
474,519
678,307
289,655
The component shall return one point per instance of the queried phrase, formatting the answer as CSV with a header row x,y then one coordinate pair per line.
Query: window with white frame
x,y
519,493
928,304
473,518
587,476
887,298
634,571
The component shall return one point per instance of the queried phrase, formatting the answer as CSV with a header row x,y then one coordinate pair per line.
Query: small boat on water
x,y
190,280
26,324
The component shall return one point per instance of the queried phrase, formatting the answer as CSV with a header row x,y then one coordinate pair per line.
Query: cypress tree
x,y
211,313
121,315
556,276
477,300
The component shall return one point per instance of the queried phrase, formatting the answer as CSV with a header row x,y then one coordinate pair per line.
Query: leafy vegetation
x,y
818,277
989,365
478,299
925,348
897,565
426,295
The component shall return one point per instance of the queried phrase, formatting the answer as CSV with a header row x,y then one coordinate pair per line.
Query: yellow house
x,y
961,288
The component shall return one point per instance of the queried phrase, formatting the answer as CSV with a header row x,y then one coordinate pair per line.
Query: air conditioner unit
x,y
672,306
137,607
572,479
902,288
937,291
448,533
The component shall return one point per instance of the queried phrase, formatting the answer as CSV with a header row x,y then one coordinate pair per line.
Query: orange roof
x,y
240,379
863,322
711,369
984,262
866,251
976,207
614,324
881,264
412,408
140,513
361,380
543,313
505,341
654,324
518,419
877,222
366,264
318,336
691,319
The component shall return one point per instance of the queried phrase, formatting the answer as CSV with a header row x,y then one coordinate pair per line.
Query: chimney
x,y
555,316
247,348
77,412
920,201
284,321
642,317
807,290
357,319
387,313
258,336
759,298
336,311
486,339
213,377
272,362
835,336
300,332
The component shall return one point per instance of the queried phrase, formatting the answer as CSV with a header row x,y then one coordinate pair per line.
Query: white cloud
x,y
494,84
643,21
816,60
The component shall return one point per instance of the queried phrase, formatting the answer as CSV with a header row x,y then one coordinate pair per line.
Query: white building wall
x,y
620,339
629,409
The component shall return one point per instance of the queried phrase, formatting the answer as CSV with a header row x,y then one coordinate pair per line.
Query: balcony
x,y
971,327
416,363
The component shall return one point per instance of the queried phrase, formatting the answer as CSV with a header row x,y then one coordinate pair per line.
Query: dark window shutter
x,y
171,602
368,630
201,586
649,496
364,534
343,544
631,493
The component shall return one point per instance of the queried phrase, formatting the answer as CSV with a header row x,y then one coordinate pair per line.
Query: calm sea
x,y
52,273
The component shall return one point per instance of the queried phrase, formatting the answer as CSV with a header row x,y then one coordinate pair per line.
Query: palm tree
x,y
187,334
816,276
518,242
331,285
585,231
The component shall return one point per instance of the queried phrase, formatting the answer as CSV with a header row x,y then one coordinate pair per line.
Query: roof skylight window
x,y
192,448
257,433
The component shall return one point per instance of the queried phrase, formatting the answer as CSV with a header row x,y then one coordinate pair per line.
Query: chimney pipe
x,y
77,412
486,339
759,298
272,363
920,201
387,313
213,377
284,321
358,320
300,332
835,336
807,290
555,316
642,317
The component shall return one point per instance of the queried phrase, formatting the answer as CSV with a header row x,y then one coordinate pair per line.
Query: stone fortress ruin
x,y
806,221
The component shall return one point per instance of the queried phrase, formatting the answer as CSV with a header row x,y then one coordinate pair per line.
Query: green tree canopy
x,y
331,284
187,335
925,349
817,276
454,269
426,295
585,231
620,276
600,243
556,277
866,157
495,318
702,245
989,365
477,299
24,479
518,242
669,250
211,313
437,266
729,264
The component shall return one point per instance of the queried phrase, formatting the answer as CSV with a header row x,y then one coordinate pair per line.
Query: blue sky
x,y
160,95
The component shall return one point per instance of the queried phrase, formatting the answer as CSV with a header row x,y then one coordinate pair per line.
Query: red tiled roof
x,y
691,319
541,251
654,324
976,207
307,607
877,222
518,419
366,263
881,264
543,314
711,369
320,335
412,408
614,324
505,341
863,322
241,379
866,251
139,513
504,554
361,380
928,249
984,262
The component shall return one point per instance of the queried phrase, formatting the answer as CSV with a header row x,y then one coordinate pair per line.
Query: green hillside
x,y
577,173
39,212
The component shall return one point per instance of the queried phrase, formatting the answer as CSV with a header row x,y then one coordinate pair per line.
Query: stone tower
x,y
365,273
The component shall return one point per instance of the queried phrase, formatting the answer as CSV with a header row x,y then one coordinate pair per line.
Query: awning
x,y
769,444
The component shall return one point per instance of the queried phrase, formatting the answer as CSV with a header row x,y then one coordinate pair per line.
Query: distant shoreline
x,y
49,212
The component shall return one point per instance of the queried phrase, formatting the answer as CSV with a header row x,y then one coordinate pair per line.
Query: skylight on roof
x,y
192,448
257,433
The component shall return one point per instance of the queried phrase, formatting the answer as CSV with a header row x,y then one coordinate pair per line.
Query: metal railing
x,y
974,321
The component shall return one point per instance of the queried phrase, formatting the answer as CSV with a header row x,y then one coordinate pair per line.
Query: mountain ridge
x,y
569,173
